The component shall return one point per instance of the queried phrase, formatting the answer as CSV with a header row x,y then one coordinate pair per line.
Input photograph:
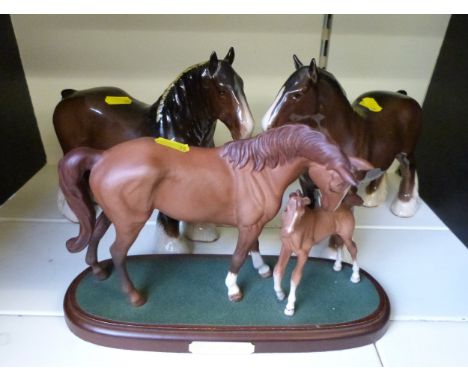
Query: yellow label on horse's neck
x,y
114,100
183,147
371,104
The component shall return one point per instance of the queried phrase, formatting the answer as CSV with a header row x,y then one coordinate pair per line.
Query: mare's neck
x,y
282,176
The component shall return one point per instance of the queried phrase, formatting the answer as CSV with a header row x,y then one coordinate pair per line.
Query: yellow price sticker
x,y
114,100
183,147
371,104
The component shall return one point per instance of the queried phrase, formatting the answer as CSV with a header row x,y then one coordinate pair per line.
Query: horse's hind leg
x,y
407,201
278,272
125,237
169,238
295,280
102,224
352,248
375,192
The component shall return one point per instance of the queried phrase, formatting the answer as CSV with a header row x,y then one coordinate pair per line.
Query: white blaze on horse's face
x,y
272,111
244,115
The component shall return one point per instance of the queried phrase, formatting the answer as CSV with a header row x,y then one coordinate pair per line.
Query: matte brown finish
x,y
186,112
268,339
240,184
314,96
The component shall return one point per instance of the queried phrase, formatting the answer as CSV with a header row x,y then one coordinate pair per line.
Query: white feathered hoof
x,y
64,208
376,198
355,277
167,244
337,267
280,295
405,209
264,271
204,232
289,311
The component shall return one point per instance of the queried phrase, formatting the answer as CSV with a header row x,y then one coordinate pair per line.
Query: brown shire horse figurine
x,y
240,184
186,112
379,127
302,228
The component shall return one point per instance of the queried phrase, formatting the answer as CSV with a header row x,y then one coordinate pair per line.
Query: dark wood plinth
x,y
177,337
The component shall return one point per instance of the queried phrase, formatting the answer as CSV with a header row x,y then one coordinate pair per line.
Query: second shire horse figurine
x,y
240,184
302,228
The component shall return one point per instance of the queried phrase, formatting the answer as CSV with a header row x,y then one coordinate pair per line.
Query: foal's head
x,y
294,211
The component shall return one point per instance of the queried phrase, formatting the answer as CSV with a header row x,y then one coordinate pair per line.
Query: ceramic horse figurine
x,y
240,184
186,112
302,228
379,127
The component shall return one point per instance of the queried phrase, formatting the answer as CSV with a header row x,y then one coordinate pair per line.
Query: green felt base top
x,y
190,290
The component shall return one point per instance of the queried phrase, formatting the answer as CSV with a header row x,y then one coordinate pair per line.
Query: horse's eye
x,y
296,96
222,93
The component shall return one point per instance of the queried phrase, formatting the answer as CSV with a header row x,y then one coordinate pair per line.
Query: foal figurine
x,y
302,228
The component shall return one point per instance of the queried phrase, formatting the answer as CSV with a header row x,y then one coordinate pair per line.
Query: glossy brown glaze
x,y
186,112
314,96
240,184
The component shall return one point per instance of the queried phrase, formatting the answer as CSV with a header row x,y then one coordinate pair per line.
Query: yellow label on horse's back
x,y
371,104
114,100
183,147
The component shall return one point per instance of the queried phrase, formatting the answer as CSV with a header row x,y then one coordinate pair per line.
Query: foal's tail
x,y
73,169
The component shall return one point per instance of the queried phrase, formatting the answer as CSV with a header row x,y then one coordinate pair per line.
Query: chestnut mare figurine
x,y
302,228
240,184
379,127
186,112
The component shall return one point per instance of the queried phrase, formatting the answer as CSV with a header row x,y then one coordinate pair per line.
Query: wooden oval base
x,y
187,301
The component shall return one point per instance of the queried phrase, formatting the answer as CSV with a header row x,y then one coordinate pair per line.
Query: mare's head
x,y
307,96
224,90
294,211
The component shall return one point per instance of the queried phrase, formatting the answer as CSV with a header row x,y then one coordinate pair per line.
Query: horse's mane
x,y
173,90
278,146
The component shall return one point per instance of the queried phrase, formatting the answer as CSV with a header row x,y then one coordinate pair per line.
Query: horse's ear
x,y
213,64
297,63
230,56
313,72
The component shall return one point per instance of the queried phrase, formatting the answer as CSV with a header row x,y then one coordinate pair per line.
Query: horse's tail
x,y
404,92
72,169
67,93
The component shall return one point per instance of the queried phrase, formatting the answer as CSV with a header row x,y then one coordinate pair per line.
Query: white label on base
x,y
200,347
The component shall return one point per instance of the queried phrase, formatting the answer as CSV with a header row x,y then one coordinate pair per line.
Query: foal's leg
x,y
407,202
295,280
257,261
102,225
278,272
352,248
246,240
125,237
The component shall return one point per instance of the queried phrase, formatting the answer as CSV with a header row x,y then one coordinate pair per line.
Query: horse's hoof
x,y
137,299
100,274
289,311
337,267
65,209
355,278
264,271
405,209
236,297
280,295
206,233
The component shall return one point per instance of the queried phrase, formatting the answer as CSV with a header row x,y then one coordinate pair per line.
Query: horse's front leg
x,y
407,201
246,240
259,264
